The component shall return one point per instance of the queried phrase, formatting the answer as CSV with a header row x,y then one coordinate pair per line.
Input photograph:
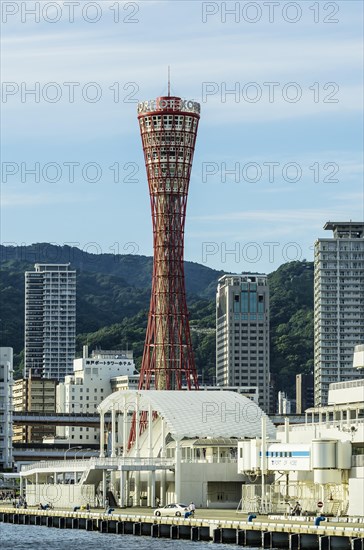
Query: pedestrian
x,y
297,509
318,520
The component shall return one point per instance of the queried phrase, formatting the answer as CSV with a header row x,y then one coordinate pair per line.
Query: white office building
x,y
6,393
242,333
339,304
50,320
319,463
93,379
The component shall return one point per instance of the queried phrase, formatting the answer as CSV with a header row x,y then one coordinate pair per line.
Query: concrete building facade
x,y
284,404
242,333
319,463
304,392
6,387
358,360
34,394
339,304
93,379
50,320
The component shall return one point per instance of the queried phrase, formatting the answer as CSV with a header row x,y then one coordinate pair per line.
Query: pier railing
x,y
281,498
339,424
211,460
87,463
71,465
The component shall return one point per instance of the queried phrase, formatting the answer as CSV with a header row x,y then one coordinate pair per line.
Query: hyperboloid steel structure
x,y
168,127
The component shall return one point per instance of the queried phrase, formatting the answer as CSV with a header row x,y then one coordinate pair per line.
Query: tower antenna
x,y
169,80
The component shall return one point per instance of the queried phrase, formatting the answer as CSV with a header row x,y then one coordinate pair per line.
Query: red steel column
x,y
168,128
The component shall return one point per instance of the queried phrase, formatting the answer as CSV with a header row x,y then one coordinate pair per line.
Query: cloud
x,y
274,216
15,200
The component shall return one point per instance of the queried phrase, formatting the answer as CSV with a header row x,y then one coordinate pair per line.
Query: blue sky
x,y
252,221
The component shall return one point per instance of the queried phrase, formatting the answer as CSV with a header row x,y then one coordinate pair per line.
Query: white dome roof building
x,y
195,431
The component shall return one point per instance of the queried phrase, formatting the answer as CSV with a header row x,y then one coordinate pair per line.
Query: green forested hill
x,y
113,298
291,321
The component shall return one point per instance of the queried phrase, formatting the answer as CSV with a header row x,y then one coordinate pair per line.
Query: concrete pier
x,y
259,534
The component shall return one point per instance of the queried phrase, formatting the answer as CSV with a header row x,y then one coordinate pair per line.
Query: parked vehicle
x,y
177,510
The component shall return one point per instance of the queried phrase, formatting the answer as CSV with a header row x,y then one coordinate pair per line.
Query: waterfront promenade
x,y
213,514
220,526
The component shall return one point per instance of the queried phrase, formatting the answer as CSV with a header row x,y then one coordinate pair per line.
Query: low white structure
x,y
125,382
6,396
91,382
173,446
319,463
358,361
284,404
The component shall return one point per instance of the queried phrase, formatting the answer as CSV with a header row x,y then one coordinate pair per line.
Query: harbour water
x,y
28,537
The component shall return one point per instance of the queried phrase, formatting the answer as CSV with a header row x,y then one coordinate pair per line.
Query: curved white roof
x,y
195,413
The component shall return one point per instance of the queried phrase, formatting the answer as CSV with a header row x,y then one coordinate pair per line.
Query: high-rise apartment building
x,y
6,409
242,333
339,304
50,320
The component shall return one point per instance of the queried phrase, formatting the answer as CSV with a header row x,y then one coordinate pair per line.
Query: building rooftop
x,y
244,277
346,229
195,414
52,267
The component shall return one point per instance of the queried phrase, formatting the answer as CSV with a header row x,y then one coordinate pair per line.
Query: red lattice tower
x,y
168,127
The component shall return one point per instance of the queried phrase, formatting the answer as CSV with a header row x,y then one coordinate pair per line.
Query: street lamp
x,y
70,449
82,449
86,450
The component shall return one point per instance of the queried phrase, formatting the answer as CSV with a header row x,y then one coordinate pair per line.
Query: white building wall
x,y
346,392
356,492
211,485
6,396
61,495
358,361
84,391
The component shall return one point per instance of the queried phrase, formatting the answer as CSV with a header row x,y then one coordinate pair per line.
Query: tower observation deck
x,y
168,127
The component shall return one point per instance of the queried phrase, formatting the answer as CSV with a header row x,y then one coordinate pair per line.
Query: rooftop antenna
x,y
169,80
